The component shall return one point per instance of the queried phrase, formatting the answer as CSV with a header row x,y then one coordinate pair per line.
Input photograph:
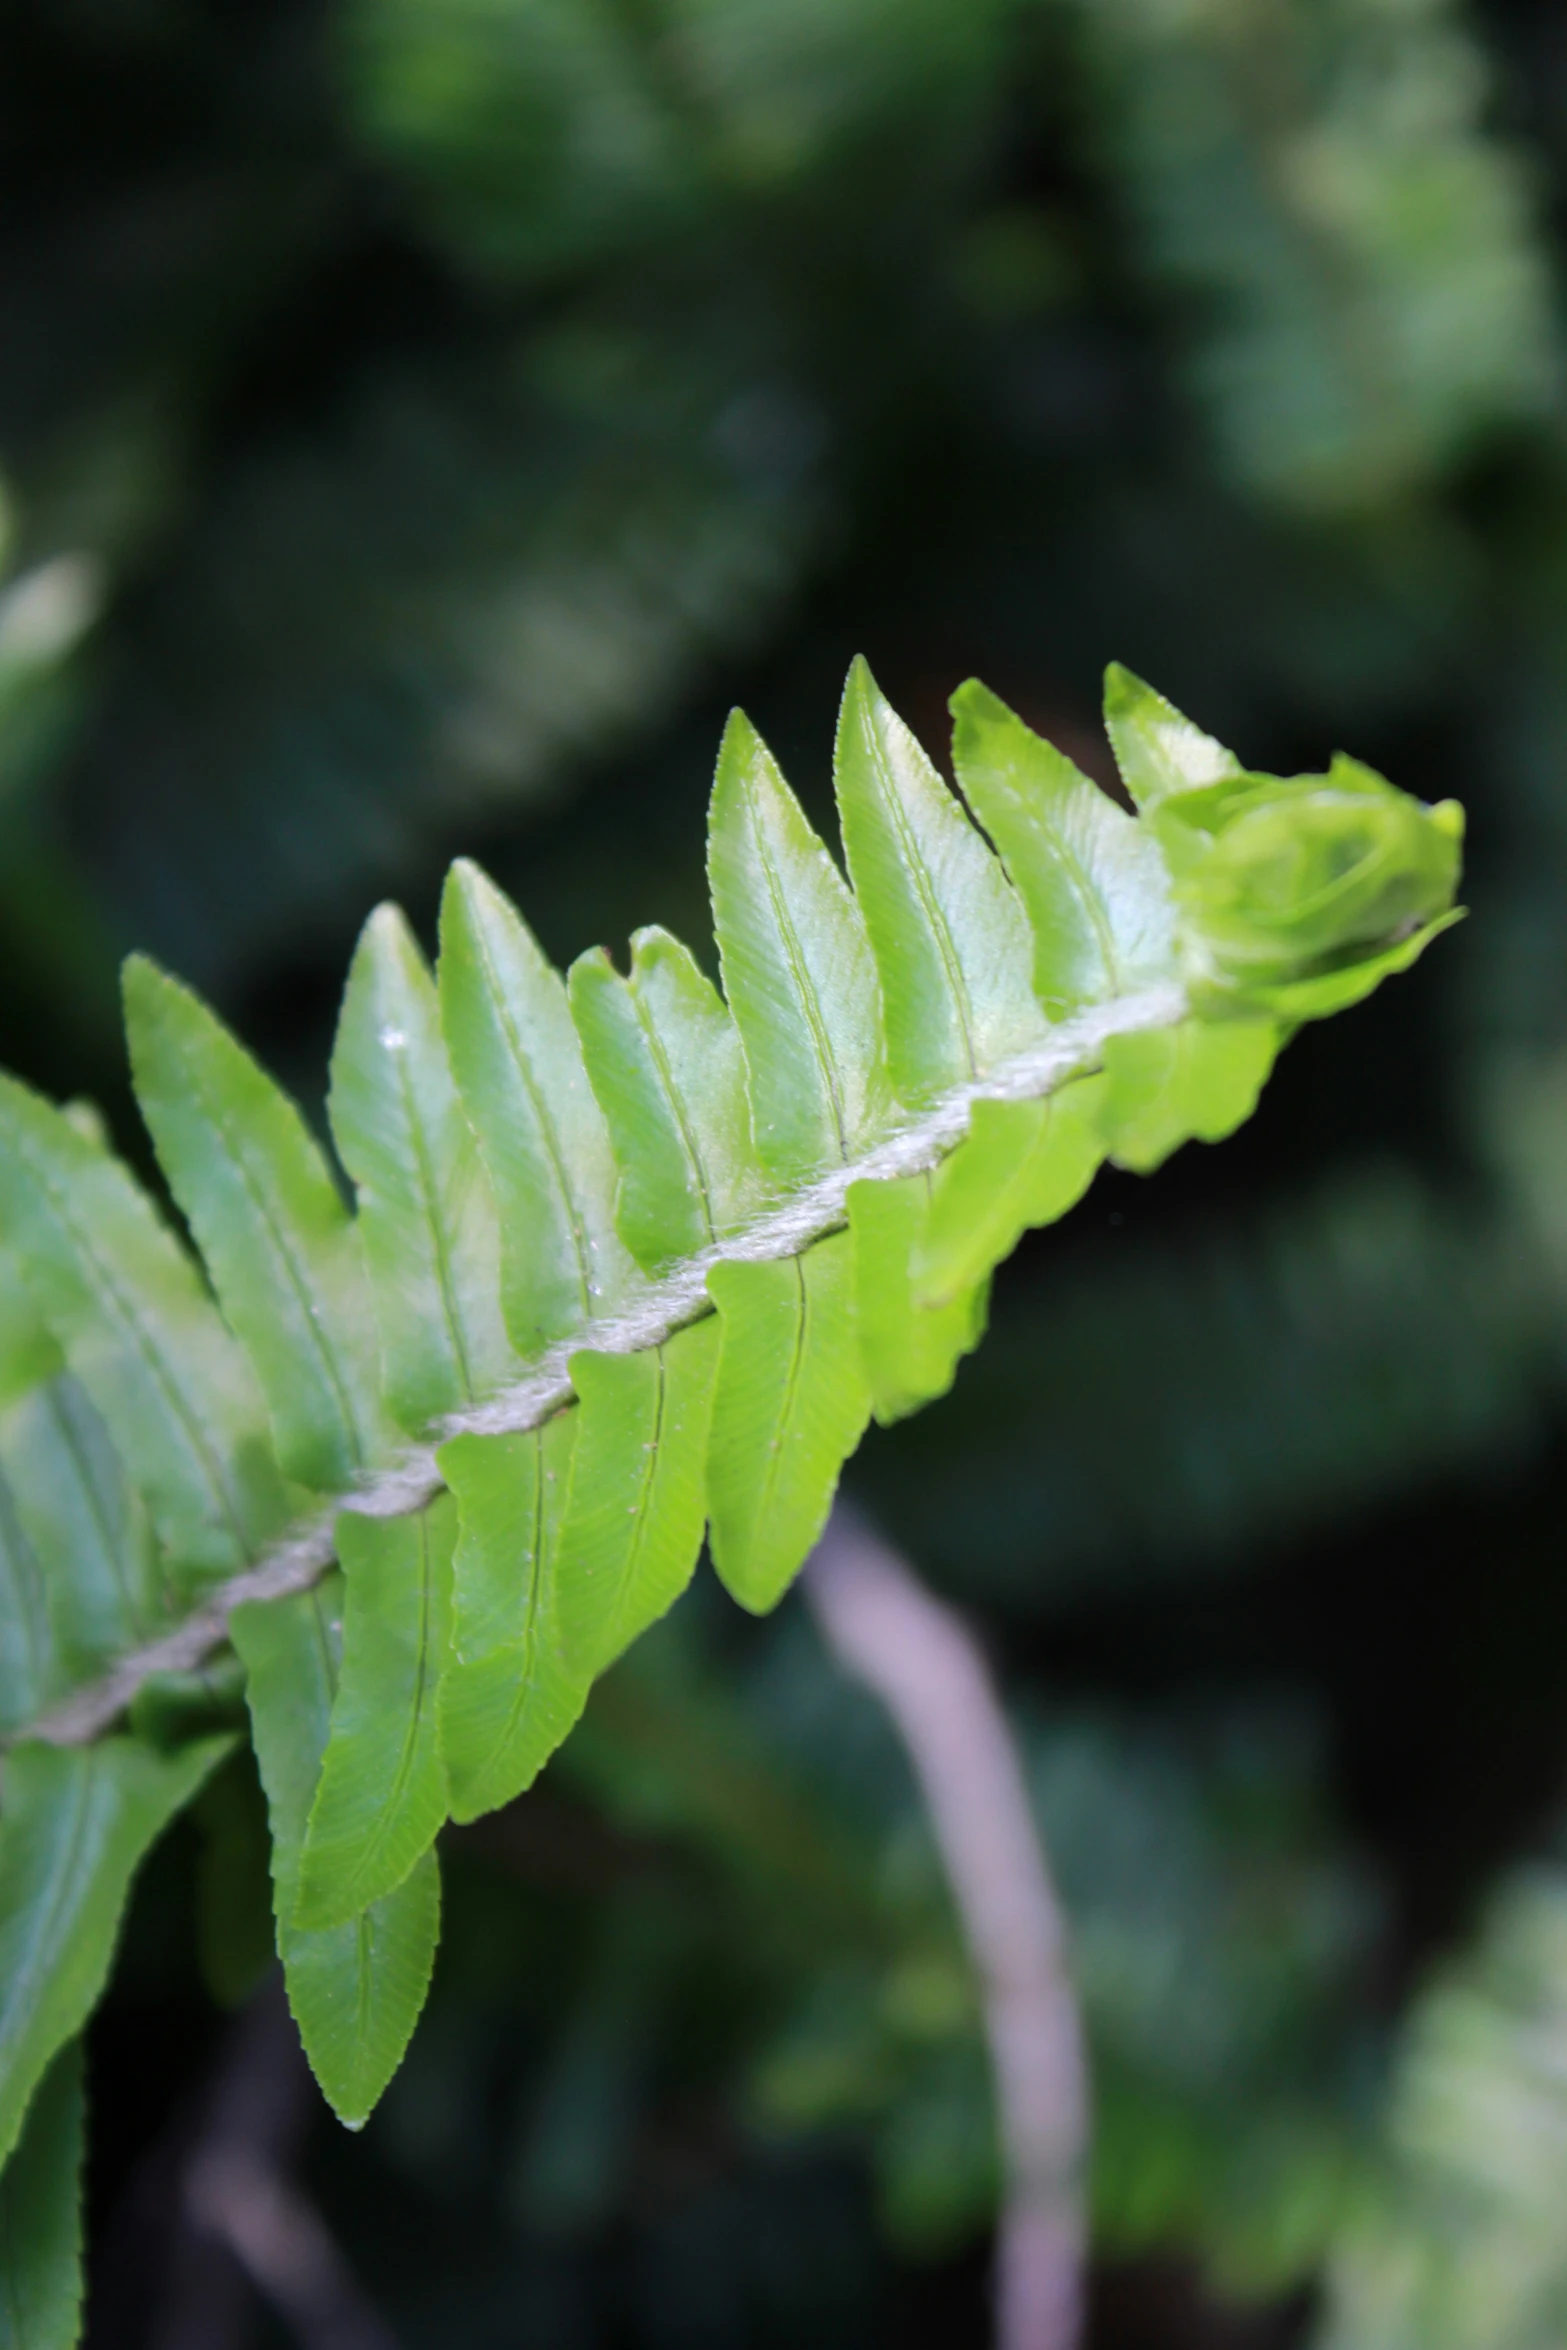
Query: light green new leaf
x,y
909,1350
519,1063
76,1823
381,1798
1166,1086
126,1306
1321,993
1023,1164
798,970
425,1209
791,1404
355,1989
1159,752
636,1511
1280,881
41,2217
1093,881
950,938
507,1699
285,1257
664,1058
82,1523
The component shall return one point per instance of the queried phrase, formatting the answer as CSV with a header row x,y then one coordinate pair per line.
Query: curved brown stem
x,y
926,1667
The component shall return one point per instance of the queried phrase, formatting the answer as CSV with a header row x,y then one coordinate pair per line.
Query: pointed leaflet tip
x,y
950,937
659,1209
280,1247
1157,750
1091,878
425,1209
664,1060
797,969
519,1065
355,1990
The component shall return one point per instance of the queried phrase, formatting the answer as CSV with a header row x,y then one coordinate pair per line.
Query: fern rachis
x,y
631,1263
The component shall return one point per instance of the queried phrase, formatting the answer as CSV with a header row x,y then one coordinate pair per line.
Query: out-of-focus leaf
x,y
41,2216
75,1512
30,1663
75,1825
1364,294
1460,2242
127,1308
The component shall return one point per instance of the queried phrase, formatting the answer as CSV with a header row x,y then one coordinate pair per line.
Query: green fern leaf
x,y
1157,750
77,1823
950,939
424,1205
41,2216
1093,881
71,1505
355,1989
285,1256
909,1346
1023,1164
791,1405
664,1059
125,1306
629,1261
507,1698
519,1064
28,1354
381,1798
30,1677
1163,1087
637,1506
798,971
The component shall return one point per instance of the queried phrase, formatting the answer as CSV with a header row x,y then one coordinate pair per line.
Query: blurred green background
x,y
419,421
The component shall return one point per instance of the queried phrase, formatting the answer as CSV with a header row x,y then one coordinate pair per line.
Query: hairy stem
x,y
926,1667
663,1307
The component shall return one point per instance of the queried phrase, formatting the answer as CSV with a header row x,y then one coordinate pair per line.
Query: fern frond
x,y
41,2215
630,1262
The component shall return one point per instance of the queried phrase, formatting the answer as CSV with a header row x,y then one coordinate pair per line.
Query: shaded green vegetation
x,y
419,424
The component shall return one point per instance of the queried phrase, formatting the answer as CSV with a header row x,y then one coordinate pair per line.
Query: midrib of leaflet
x,y
412,1480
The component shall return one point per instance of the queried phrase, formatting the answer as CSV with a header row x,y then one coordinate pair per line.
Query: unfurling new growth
x,y
630,1263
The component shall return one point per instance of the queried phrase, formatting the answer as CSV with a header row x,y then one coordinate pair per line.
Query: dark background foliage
x,y
420,420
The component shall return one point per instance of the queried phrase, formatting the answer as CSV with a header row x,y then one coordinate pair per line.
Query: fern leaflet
x,y
630,1262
